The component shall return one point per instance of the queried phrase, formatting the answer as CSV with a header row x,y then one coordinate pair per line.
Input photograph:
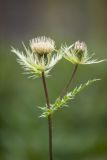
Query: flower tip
x,y
12,49
42,45
80,46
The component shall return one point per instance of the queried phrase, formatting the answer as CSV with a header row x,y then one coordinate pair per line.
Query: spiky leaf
x,y
61,102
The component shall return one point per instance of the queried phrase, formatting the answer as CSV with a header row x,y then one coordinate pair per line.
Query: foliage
x,y
61,102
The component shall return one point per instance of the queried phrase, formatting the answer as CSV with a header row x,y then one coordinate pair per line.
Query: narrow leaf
x,y
61,102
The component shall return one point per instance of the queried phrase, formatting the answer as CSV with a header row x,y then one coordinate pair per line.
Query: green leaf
x,y
61,102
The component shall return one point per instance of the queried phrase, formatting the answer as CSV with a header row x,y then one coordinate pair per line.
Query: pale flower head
x,y
77,53
38,57
42,45
80,46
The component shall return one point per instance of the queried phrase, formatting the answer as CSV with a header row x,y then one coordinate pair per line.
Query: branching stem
x,y
49,117
65,89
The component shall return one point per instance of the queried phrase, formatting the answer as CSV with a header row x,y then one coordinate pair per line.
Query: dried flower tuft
x,y
38,59
42,45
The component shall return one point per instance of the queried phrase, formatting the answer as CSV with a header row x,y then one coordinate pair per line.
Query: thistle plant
x,y
77,54
40,57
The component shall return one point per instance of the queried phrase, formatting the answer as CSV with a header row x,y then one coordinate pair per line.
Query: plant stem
x,y
49,117
69,82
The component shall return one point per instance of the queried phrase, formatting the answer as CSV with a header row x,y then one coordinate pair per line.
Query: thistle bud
x,y
80,48
77,53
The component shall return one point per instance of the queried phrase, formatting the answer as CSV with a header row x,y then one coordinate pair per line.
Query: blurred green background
x,y
80,131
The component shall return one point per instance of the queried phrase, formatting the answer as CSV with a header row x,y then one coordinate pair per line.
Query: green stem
x,y
65,89
49,117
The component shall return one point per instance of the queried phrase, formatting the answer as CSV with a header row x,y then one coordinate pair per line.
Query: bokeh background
x,y
80,131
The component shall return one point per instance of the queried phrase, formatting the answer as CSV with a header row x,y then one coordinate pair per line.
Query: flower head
x,y
80,46
78,54
38,58
42,45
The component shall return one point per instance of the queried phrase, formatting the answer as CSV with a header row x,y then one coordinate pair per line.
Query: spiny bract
x,y
38,57
77,53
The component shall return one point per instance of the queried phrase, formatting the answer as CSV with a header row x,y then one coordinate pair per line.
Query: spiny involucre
x,y
40,57
77,53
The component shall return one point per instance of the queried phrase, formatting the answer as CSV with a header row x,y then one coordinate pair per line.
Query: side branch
x,y
70,81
